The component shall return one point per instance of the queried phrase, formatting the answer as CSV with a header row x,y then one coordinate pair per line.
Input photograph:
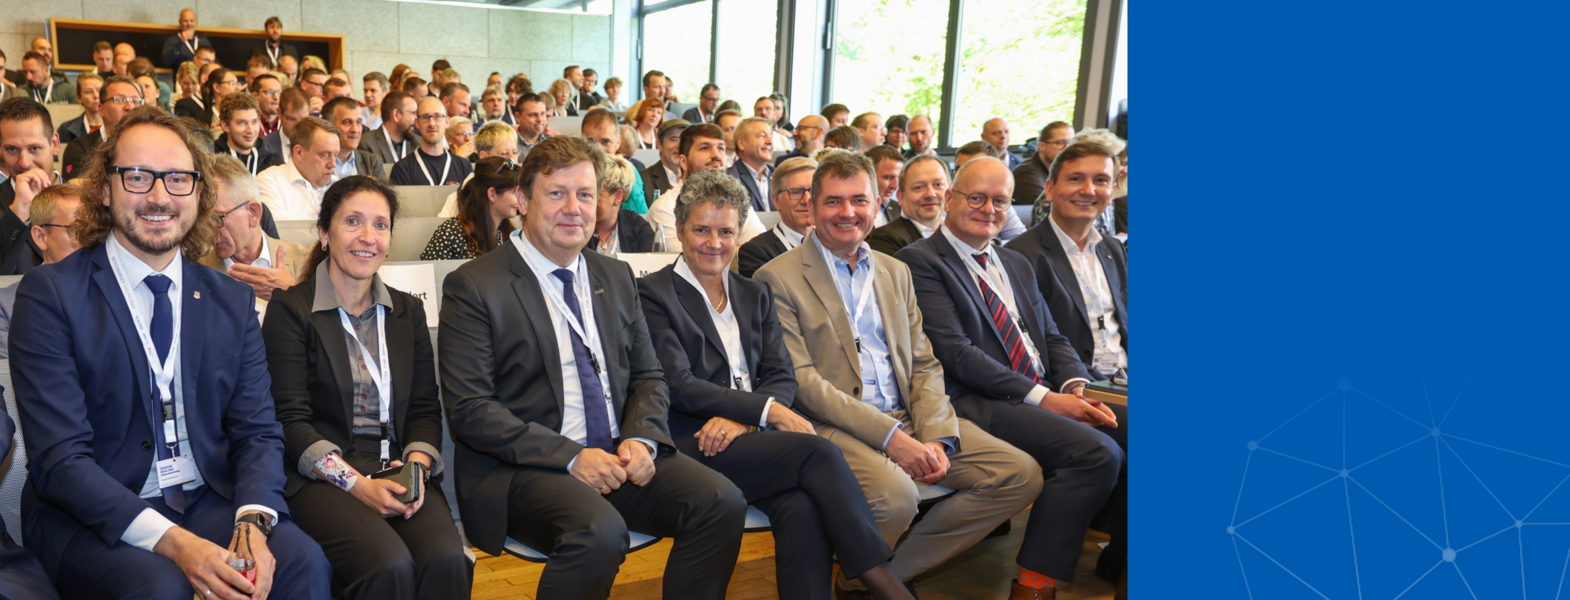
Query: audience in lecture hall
x,y
736,398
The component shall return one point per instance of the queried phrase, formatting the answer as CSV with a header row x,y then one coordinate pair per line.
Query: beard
x,y
128,224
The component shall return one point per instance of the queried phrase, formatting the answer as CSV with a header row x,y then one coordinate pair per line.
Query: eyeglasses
x,y
137,180
1059,143
431,117
218,218
796,193
270,92
52,225
118,100
1000,203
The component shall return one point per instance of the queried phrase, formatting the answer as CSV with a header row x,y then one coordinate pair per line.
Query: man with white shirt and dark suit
x,y
150,455
792,189
1083,275
708,105
293,105
557,403
1009,371
182,46
754,151
396,137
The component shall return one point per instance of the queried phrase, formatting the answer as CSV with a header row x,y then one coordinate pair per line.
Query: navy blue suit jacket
x,y
693,356
1060,287
86,398
965,339
748,182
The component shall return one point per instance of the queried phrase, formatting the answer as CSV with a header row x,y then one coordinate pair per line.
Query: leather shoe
x,y
1021,592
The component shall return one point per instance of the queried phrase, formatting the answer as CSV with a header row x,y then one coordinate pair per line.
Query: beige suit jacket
x,y
821,342
294,255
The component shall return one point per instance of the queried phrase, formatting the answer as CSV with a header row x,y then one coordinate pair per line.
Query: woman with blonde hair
x,y
560,99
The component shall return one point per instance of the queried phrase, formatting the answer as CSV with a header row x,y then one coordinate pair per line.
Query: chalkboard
x,y
74,39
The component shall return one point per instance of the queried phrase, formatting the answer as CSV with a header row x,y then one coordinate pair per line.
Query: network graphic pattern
x,y
1353,498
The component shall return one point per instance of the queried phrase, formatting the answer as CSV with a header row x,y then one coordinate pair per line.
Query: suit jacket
x,y
822,345
899,233
188,107
655,181
72,129
273,144
1060,287
18,255
1030,178
375,143
295,256
747,181
313,385
694,116
694,358
176,51
758,252
633,233
86,399
502,386
367,163
73,161
965,339
284,49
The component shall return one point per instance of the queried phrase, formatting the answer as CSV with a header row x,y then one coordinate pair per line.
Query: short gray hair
x,y
617,174
234,182
714,187
791,165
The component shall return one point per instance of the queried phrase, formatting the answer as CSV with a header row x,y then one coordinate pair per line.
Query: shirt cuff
x,y
890,436
271,514
313,454
146,529
654,449
1036,395
949,442
436,455
763,420
1070,382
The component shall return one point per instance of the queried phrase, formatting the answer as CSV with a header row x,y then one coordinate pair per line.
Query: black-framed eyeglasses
x,y
1000,203
137,180
795,193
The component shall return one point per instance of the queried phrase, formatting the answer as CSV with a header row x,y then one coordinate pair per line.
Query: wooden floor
x,y
980,573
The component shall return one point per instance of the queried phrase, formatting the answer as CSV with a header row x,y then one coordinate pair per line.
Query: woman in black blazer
x,y
616,229
333,343
736,419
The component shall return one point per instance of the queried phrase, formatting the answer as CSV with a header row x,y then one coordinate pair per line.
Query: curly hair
x,y
712,187
95,220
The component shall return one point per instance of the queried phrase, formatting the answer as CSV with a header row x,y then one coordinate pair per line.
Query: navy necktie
x,y
1019,359
597,423
163,335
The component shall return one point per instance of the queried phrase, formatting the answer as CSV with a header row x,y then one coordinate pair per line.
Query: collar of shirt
x,y
263,260
670,175
863,254
136,271
1072,247
788,236
543,267
327,296
685,271
965,251
295,178
923,229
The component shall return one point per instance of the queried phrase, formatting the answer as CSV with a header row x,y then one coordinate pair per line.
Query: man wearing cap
x,y
659,177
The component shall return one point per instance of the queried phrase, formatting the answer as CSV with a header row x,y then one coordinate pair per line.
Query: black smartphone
x,y
409,476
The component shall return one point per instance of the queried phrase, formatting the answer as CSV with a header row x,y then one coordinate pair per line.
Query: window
x,y
888,56
1022,65
676,41
746,42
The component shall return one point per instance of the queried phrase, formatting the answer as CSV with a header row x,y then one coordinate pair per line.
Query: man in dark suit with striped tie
x,y
1008,370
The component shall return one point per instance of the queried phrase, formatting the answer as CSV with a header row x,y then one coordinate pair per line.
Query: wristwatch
x,y
259,520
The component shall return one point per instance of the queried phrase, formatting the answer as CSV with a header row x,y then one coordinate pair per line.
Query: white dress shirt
x,y
760,178
264,261
149,526
288,194
789,237
730,334
662,215
573,424
1004,288
1097,294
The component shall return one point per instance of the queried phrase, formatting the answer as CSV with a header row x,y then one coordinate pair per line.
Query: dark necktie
x,y
597,424
163,335
1019,358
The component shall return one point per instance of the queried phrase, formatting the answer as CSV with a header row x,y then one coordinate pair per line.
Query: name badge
x,y
179,470
1106,362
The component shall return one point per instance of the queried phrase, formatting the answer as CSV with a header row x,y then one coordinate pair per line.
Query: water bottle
x,y
659,239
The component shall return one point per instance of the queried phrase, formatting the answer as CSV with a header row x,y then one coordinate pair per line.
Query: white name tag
x,y
179,470
1106,363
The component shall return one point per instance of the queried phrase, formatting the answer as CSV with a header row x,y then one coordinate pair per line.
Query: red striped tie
x,y
1019,358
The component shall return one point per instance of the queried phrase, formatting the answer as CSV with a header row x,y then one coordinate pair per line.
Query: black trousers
x,y
1082,466
586,533
814,503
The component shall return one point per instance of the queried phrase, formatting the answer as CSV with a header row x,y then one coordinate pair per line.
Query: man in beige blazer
x,y
869,381
241,249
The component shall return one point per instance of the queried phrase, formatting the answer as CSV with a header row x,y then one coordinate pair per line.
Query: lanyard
x,y
250,159
272,53
163,372
779,232
420,160
191,45
1006,293
48,93
404,146
861,301
580,287
380,372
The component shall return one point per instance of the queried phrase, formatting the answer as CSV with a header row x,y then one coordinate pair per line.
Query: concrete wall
x,y
379,34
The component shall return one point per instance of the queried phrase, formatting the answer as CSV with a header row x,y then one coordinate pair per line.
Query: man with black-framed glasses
x,y
1031,175
118,97
791,188
431,163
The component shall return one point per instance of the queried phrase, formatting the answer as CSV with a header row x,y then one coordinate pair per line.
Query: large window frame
x,y
645,9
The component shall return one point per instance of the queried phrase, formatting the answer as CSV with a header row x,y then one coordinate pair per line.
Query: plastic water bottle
x,y
659,239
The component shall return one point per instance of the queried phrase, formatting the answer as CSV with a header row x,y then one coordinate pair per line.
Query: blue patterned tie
x,y
597,424
163,336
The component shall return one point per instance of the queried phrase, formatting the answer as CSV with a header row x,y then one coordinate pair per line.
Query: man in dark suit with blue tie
x,y
557,403
754,157
1008,370
142,385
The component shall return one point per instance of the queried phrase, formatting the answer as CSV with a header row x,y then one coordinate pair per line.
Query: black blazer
x,y
1061,289
284,49
77,154
758,252
694,359
18,255
736,170
311,383
632,232
188,107
898,234
655,181
955,318
502,386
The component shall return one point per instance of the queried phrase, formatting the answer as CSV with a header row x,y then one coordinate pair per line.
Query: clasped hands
x,y
606,472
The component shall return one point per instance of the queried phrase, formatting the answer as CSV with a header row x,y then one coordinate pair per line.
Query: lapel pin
x,y
197,295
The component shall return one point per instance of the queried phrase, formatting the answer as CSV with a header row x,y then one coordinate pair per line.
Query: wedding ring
x,y
724,432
